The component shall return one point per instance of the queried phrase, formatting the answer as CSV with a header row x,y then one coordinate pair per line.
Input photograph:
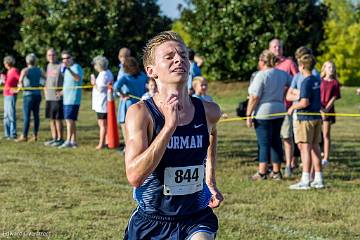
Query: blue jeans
x,y
31,103
10,116
268,136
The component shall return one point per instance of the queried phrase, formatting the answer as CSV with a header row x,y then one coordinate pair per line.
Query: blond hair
x,y
308,61
148,52
268,58
197,80
323,73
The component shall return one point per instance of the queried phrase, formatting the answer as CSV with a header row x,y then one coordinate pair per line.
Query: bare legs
x,y
56,127
326,127
102,123
70,131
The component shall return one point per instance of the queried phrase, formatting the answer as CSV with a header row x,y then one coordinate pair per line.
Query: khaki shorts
x,y
308,132
295,123
286,128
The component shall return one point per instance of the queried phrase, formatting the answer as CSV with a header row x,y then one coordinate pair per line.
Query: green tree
x,y
89,27
342,43
10,20
231,34
178,27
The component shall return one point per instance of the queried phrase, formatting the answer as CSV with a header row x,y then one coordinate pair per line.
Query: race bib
x,y
183,180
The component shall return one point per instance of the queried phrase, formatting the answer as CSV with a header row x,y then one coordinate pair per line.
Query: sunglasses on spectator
x,y
65,57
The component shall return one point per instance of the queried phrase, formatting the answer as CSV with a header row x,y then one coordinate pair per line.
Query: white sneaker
x,y
300,186
66,144
49,143
317,184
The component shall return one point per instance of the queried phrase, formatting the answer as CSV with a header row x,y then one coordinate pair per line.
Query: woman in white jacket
x,y
99,95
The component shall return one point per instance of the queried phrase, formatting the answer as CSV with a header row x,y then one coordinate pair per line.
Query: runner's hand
x,y
216,197
170,110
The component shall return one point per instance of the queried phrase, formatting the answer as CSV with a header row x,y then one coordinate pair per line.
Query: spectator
x,y
293,95
135,82
152,89
30,78
329,92
73,77
54,102
99,95
266,96
194,71
308,133
289,66
123,54
200,86
11,80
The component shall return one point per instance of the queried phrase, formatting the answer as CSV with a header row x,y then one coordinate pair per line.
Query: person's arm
x,y
252,103
76,75
330,104
141,159
292,95
303,103
293,68
119,83
213,114
23,73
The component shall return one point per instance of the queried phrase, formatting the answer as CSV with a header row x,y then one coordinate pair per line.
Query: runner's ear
x,y
151,71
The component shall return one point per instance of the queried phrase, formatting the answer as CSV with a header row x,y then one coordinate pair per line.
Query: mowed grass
x,y
83,193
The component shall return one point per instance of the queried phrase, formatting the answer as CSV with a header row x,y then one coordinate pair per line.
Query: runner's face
x,y
171,62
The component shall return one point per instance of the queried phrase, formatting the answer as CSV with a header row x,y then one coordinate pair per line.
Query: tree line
x,y
85,27
229,34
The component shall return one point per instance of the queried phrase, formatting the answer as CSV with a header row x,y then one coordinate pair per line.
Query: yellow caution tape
x,y
285,113
223,120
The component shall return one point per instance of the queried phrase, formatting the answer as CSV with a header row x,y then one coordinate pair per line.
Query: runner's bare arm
x,y
141,159
213,114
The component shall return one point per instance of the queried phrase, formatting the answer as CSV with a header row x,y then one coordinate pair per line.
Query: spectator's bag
x,y
241,109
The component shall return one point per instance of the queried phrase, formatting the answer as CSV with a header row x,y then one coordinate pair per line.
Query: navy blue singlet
x,y
186,148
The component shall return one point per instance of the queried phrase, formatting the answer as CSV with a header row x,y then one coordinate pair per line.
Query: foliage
x,y
10,20
178,27
89,27
231,34
342,43
83,193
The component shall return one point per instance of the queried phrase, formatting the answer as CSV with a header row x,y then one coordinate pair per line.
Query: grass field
x,y
83,193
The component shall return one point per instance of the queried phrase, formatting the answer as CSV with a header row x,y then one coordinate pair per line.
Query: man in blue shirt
x,y
73,77
308,132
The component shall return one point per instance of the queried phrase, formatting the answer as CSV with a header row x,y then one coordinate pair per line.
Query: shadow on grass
x,y
345,161
240,150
